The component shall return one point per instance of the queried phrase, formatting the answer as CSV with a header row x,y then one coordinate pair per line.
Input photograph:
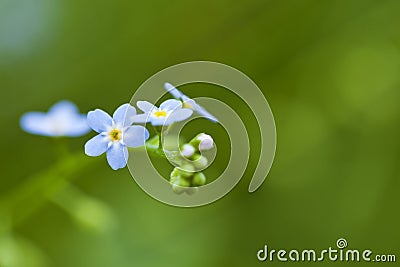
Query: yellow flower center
x,y
186,104
115,135
160,113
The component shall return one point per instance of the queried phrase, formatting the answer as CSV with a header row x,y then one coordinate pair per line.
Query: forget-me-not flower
x,y
170,111
189,103
62,119
115,135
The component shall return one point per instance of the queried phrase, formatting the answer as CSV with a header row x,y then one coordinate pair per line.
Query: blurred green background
x,y
329,70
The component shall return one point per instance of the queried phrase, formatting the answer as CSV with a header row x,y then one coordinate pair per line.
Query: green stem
x,y
23,201
87,211
158,130
160,147
31,195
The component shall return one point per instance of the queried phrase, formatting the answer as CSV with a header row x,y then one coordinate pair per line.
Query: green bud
x,y
195,142
177,189
173,179
200,161
180,185
199,179
186,170
184,182
175,172
174,176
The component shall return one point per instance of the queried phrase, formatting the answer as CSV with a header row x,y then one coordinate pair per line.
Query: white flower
x,y
63,119
189,103
170,111
206,141
187,150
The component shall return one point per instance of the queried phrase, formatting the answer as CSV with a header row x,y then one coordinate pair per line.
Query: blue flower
x,y
115,135
189,103
63,119
170,111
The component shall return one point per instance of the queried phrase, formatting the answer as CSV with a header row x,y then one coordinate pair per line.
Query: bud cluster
x,y
187,177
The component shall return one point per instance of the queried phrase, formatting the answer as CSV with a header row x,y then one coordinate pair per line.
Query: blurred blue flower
x,y
189,103
115,135
63,119
170,111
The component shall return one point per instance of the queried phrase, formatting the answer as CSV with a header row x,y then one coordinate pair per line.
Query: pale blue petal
x,y
203,112
171,104
63,119
173,91
66,120
77,126
96,146
117,156
64,107
158,121
99,121
37,123
124,114
145,106
179,115
135,136
186,98
141,118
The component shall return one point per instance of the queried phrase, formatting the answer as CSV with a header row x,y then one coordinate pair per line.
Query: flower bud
x,y
202,141
206,141
200,161
184,182
199,179
177,189
180,184
187,150
175,172
174,178
186,170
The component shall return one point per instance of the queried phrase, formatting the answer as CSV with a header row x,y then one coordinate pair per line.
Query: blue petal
x,y
99,121
63,119
185,98
124,114
145,106
141,118
178,115
77,126
135,136
66,119
37,123
202,111
96,146
173,91
63,107
171,104
117,156
158,121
